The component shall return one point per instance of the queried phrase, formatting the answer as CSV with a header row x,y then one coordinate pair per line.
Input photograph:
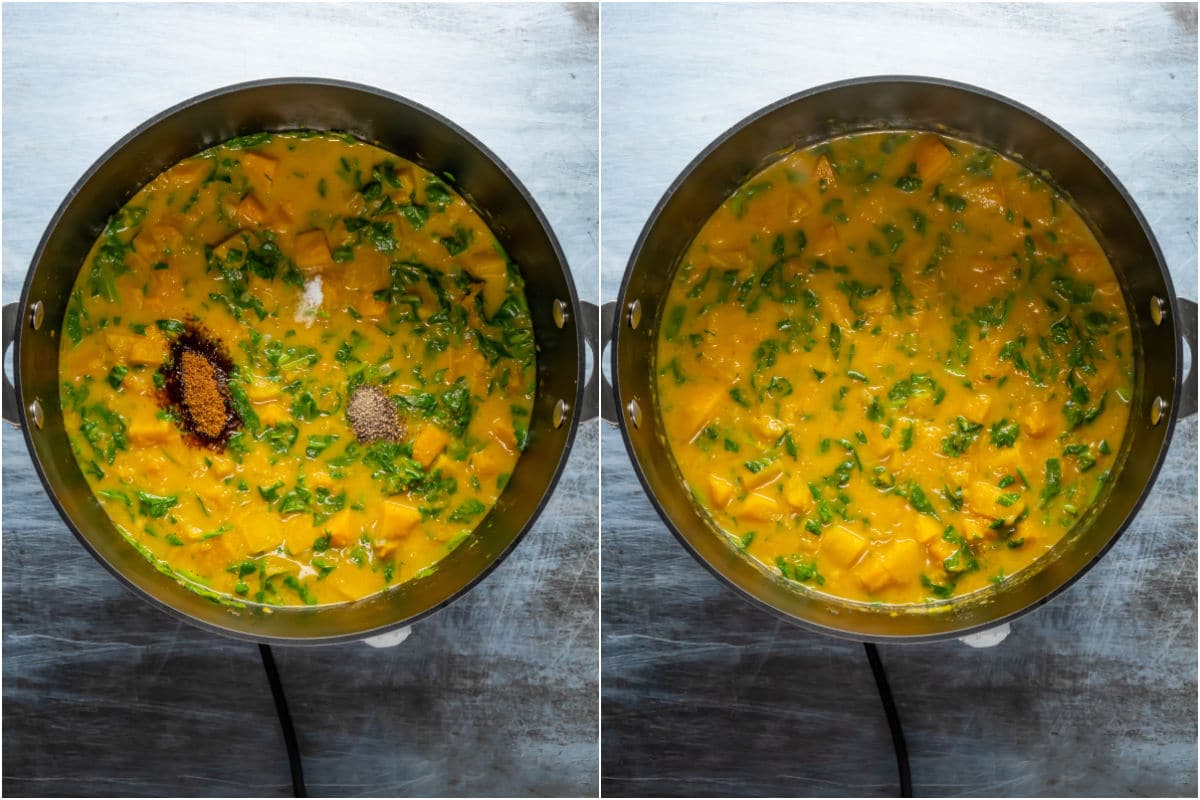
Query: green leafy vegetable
x,y
155,506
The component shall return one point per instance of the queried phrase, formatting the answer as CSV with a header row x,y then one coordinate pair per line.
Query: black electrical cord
x,y
893,718
285,721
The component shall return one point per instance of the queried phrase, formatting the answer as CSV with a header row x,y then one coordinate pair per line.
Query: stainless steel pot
x,y
32,327
1160,322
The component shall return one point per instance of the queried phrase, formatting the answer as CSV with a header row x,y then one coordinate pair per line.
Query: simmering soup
x,y
297,369
895,367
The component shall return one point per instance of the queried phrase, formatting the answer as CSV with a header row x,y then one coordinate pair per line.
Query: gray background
x,y
1094,694
495,695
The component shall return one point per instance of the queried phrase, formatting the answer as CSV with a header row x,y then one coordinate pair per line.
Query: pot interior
x,y
395,125
900,104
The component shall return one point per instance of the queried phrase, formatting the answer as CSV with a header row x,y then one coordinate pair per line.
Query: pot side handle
x,y
598,393
1187,325
11,414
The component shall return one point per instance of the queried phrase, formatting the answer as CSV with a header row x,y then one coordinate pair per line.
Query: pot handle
x,y
1187,325
11,415
597,393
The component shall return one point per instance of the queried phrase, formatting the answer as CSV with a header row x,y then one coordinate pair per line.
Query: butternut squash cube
x,y
988,500
719,491
986,195
1036,420
259,169
502,433
429,444
768,428
222,466
842,546
975,529
272,413
493,271
163,283
904,559
385,547
238,241
872,575
189,172
926,529
939,550
312,251
118,343
981,497
825,242
764,477
797,495
260,391
166,235
931,156
977,407
145,250
145,352
343,528
466,361
250,211
321,480
149,431
283,216
398,519
699,410
798,207
488,462
214,498
370,307
757,507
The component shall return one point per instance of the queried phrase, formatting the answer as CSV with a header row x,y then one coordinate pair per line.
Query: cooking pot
x,y
1159,320
31,327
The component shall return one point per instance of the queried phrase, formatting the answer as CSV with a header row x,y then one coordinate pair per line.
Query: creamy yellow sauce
x,y
320,263
895,367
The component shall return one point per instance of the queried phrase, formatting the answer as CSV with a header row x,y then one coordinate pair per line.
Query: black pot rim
x,y
882,81
121,144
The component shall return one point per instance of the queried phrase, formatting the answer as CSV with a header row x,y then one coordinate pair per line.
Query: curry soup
x,y
895,367
296,369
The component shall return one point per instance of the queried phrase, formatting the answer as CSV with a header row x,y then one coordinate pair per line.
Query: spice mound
x,y
373,415
196,379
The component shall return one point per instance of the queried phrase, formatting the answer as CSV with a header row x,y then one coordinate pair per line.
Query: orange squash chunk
x,y
249,211
932,157
429,444
259,169
312,251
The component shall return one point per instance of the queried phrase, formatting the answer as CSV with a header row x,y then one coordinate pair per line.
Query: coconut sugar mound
x,y
202,394
195,385
373,415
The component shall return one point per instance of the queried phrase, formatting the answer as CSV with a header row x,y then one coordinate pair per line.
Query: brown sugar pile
x,y
373,415
202,394
196,387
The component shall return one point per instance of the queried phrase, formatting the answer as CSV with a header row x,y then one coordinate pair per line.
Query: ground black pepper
x,y
373,415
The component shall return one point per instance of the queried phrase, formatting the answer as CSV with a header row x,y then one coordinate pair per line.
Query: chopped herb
x,y
1053,484
116,375
155,506
1004,433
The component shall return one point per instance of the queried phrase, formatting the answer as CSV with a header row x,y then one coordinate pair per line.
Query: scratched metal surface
x,y
1091,695
495,695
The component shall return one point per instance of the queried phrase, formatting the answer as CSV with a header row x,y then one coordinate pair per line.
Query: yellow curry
x,y
297,369
895,367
